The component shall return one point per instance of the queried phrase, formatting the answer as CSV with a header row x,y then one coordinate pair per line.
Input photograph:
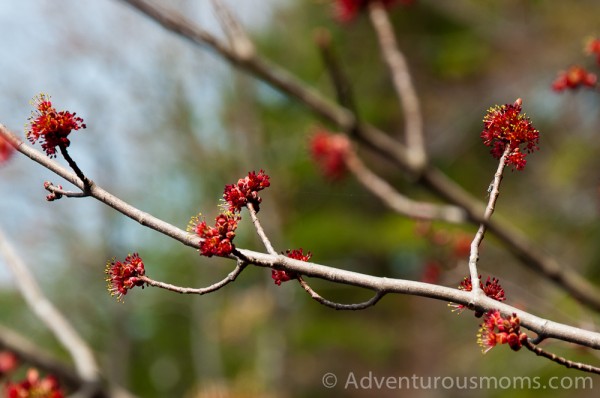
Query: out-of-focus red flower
x,y
506,125
6,150
329,151
573,78
8,362
592,47
35,387
50,126
124,276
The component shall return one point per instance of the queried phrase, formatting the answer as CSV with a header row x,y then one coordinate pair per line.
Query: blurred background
x,y
169,124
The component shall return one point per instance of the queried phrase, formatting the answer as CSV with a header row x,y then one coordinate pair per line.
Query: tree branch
x,y
560,360
339,306
383,285
259,230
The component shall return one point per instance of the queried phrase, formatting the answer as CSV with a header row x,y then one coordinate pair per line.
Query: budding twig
x,y
232,276
62,192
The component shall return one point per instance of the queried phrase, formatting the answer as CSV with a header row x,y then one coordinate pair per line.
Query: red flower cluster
x,y
246,191
218,239
51,127
505,125
329,151
123,276
284,276
497,329
574,77
33,386
491,289
6,150
592,47
347,10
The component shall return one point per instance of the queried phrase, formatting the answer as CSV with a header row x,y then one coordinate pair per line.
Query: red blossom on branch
x,y
6,150
497,329
246,191
50,126
217,240
506,125
280,276
34,387
329,151
573,78
123,276
347,10
491,288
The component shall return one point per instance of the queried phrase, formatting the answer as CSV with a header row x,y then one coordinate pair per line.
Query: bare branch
x,y
81,353
339,306
398,202
50,187
239,40
489,210
259,230
402,82
560,360
241,265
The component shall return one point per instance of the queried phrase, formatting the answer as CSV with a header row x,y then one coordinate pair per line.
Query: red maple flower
x,y
217,240
33,386
497,329
506,125
574,77
492,289
246,191
329,151
280,276
6,150
123,276
50,126
593,47
347,10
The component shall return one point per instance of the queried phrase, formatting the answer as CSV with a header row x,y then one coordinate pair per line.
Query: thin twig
x,y
402,81
560,360
241,265
340,306
534,323
398,202
339,79
259,230
86,182
430,177
489,210
239,40
54,320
